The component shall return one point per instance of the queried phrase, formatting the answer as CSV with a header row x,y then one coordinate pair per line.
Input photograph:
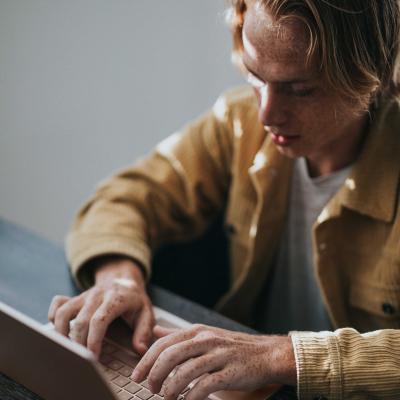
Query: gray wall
x,y
87,86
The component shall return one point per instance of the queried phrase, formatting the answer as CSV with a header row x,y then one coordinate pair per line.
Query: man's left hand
x,y
217,359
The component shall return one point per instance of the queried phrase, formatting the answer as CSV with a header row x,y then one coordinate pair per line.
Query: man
x,y
305,167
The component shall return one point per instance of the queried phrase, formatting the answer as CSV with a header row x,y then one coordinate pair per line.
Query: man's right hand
x,y
119,291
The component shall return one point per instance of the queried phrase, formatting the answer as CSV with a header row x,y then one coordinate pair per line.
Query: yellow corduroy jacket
x,y
225,162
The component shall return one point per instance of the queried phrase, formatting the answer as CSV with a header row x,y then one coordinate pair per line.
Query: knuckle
x,y
161,342
167,356
207,337
95,291
63,311
217,378
98,319
197,328
57,299
80,325
119,298
119,288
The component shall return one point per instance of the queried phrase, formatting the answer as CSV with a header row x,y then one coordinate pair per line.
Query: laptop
x,y
56,368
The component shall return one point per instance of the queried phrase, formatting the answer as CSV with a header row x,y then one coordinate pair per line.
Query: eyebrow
x,y
291,81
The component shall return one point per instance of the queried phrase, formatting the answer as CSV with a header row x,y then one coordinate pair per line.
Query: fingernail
x,y
144,346
134,376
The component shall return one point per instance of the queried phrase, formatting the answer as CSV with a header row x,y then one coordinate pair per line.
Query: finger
x,y
188,372
80,328
102,318
57,302
143,334
161,331
66,313
209,383
147,361
171,357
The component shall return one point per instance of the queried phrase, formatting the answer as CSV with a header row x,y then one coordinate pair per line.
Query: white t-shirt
x,y
291,299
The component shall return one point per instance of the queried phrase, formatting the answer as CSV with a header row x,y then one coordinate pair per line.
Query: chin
x,y
290,152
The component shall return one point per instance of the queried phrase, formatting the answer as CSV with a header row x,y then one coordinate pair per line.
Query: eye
x,y
254,81
301,90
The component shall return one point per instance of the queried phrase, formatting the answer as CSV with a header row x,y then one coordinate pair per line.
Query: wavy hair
x,y
356,41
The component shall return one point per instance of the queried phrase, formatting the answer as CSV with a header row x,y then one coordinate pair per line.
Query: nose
x,y
271,108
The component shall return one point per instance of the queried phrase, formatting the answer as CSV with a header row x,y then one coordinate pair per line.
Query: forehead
x,y
271,44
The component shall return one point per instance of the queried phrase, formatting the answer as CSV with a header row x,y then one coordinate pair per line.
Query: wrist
x,y
284,364
112,267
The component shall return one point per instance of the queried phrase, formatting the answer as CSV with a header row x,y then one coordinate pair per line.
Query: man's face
x,y
303,116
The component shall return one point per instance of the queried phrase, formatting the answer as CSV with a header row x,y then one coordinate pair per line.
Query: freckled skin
x,y
119,291
220,358
330,127
330,130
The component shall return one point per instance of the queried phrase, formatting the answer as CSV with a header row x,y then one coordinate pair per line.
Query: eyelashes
x,y
295,89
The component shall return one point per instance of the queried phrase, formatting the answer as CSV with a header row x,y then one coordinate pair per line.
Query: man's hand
x,y
218,358
119,291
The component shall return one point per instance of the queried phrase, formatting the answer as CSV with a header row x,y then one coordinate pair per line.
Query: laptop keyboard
x,y
117,365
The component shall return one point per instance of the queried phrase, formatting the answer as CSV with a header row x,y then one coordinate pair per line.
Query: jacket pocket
x,y
374,307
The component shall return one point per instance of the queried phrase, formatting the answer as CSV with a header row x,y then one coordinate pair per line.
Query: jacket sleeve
x,y
347,365
171,195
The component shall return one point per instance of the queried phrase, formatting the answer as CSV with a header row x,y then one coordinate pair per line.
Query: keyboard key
x,y
105,359
124,395
115,365
108,348
157,397
145,384
127,358
144,394
115,388
110,374
133,387
121,381
126,371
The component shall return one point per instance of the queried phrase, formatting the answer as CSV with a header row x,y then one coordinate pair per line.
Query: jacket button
x,y
322,246
388,309
231,229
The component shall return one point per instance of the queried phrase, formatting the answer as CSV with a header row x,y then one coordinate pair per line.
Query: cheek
x,y
317,116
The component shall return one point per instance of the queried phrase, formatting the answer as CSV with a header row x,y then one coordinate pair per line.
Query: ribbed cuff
x,y
318,364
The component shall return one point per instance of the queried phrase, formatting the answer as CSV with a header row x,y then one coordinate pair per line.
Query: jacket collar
x,y
372,186
373,183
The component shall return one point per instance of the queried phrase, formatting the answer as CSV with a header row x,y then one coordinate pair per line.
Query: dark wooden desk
x,y
33,270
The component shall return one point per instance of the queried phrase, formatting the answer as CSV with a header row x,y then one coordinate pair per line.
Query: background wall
x,y
87,86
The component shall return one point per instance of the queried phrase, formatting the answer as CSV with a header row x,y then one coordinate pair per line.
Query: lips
x,y
284,140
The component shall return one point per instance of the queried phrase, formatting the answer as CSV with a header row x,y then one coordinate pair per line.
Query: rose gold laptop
x,y
56,368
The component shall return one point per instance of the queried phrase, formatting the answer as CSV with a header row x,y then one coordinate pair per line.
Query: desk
x,y
33,270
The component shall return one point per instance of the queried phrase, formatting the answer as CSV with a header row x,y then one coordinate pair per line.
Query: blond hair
x,y
355,41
